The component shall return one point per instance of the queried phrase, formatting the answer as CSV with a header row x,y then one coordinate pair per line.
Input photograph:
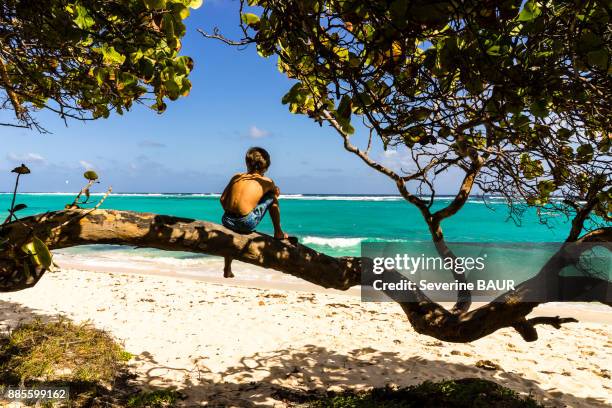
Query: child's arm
x,y
225,193
270,186
224,196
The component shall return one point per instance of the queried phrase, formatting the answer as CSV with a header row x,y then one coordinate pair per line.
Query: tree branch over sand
x,y
68,228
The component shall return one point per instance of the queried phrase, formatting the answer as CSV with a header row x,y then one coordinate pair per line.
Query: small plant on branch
x,y
92,178
23,169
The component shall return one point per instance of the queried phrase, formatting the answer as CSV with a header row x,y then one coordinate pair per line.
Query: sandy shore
x,y
243,346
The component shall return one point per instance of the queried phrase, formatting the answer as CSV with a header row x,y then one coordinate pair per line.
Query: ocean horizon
x,y
336,224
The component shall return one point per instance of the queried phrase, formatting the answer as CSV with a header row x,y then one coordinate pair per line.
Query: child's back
x,y
244,192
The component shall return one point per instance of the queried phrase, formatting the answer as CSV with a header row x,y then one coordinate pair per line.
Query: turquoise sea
x,y
333,224
336,225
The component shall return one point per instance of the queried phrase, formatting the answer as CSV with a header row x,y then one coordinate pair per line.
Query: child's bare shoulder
x,y
266,182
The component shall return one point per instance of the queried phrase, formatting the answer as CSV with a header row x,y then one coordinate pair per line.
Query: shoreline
x,y
587,312
231,345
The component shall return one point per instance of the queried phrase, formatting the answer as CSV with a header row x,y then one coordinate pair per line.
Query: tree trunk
x,y
67,228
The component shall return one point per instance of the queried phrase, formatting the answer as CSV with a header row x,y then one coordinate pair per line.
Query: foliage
x,y
514,93
91,177
85,58
87,360
59,351
35,249
154,399
39,253
21,170
470,392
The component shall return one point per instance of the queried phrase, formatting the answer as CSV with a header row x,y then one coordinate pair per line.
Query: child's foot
x,y
280,235
227,273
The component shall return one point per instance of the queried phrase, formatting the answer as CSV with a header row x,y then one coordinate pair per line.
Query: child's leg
x,y
227,269
269,202
275,215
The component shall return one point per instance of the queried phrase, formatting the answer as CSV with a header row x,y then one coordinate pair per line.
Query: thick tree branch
x,y
69,228
433,221
599,235
582,213
464,191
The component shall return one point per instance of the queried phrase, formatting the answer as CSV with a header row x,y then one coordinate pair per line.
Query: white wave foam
x,y
339,198
122,194
493,200
136,262
333,242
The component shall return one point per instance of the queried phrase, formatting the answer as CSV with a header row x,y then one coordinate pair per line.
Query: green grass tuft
x,y
87,360
59,351
466,393
154,399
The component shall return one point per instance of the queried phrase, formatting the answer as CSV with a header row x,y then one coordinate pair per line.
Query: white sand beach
x,y
242,342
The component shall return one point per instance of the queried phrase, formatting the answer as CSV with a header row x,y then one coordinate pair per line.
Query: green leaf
x,y
521,121
545,188
599,59
148,68
605,143
494,50
564,134
83,20
584,153
155,4
19,207
110,55
39,252
160,107
168,26
250,19
344,107
421,113
529,12
181,10
292,95
531,168
42,253
90,175
589,41
539,109
23,169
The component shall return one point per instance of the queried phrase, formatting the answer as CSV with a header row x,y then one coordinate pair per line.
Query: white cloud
x,y
25,158
257,133
86,165
398,160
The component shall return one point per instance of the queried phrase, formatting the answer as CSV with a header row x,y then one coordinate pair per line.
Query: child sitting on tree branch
x,y
247,198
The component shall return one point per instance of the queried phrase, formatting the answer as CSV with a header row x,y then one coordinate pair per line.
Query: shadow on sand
x,y
295,375
292,375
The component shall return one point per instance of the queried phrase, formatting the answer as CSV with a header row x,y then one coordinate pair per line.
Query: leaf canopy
x,y
518,90
87,58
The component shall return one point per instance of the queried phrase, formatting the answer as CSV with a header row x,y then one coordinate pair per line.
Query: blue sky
x,y
201,139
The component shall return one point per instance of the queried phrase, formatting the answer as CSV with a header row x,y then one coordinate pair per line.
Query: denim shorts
x,y
248,223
